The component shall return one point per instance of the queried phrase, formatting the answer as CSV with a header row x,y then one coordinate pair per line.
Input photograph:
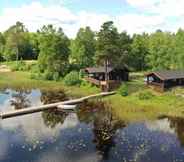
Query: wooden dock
x,y
59,105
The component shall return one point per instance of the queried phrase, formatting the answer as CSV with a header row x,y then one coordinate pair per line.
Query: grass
x,y
130,108
21,79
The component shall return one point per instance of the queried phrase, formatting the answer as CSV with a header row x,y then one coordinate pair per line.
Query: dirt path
x,y
4,68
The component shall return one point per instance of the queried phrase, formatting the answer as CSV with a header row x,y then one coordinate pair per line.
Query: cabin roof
x,y
101,69
168,74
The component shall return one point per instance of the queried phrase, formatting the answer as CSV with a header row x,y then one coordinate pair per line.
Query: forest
x,y
57,54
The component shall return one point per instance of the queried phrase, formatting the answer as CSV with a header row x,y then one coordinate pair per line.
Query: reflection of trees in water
x,y
178,125
88,110
104,130
52,118
104,125
48,97
20,99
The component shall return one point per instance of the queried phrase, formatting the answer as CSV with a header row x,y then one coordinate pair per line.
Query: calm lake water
x,y
90,134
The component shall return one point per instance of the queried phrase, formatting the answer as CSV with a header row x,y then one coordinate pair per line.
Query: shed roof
x,y
101,69
169,74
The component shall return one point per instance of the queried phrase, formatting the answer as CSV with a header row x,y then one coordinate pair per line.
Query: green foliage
x,y
57,55
47,75
107,44
2,44
83,48
54,52
160,50
72,79
178,55
139,52
145,95
17,43
18,66
123,90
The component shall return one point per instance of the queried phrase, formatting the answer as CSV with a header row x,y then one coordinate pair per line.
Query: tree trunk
x,y
17,55
106,75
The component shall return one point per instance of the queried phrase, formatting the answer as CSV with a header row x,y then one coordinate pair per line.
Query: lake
x,y
89,134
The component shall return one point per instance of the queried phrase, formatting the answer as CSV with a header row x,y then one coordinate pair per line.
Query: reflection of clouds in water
x,y
34,97
53,156
33,127
3,148
160,125
30,126
70,121
5,99
6,105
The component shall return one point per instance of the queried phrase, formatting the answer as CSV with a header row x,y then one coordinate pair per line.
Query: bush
x,y
123,90
72,78
85,83
18,66
37,76
56,76
48,75
145,95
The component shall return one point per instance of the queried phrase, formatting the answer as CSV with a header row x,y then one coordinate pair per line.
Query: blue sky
x,y
134,16
112,7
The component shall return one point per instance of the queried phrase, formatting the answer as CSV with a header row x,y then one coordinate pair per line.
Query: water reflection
x,y
20,99
104,130
90,134
48,97
52,117
178,125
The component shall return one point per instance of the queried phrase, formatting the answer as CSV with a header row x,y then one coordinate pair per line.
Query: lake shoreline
x,y
129,108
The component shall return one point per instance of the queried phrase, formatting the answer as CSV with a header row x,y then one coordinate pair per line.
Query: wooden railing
x,y
155,84
113,84
93,81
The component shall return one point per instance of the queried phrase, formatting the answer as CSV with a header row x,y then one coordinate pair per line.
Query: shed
x,y
96,75
165,79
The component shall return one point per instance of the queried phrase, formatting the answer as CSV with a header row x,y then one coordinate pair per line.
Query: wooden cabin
x,y
96,76
163,80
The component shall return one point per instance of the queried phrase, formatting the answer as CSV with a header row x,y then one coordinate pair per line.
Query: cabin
x,y
163,80
96,76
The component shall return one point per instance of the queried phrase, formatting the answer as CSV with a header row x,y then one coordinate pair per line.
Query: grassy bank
x,y
20,79
130,108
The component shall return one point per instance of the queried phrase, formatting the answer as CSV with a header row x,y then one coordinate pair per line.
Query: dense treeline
x,y
57,54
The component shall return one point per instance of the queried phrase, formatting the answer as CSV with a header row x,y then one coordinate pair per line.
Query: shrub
x,y
145,95
37,76
56,76
72,78
18,66
48,75
85,83
123,90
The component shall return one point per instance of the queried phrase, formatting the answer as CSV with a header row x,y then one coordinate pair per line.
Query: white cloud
x,y
134,23
160,7
143,4
152,15
35,15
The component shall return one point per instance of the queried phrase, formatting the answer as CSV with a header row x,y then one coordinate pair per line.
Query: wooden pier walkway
x,y
59,105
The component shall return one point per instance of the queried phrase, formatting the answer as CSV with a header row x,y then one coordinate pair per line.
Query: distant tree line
x,y
57,54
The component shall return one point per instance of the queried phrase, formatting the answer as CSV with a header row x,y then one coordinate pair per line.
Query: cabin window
x,y
91,75
150,79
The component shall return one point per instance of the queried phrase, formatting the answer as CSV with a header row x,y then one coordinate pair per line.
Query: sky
x,y
133,16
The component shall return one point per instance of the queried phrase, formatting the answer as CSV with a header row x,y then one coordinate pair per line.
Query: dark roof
x,y
101,69
169,74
